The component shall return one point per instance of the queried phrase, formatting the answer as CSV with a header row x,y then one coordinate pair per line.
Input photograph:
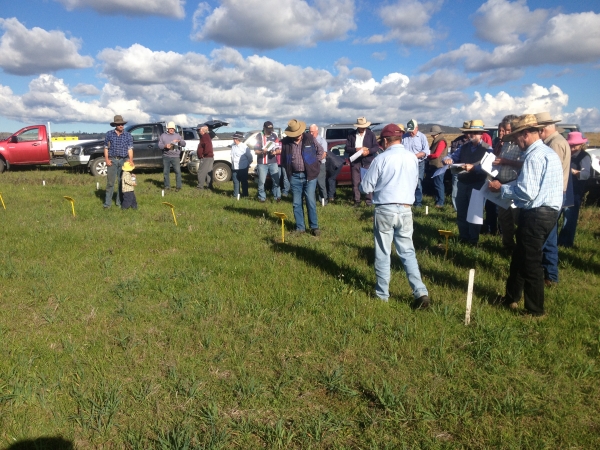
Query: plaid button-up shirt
x,y
118,145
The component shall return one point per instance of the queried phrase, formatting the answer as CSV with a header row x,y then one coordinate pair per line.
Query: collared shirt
x,y
416,144
559,144
360,137
392,177
241,156
540,181
118,145
297,161
323,143
512,152
165,139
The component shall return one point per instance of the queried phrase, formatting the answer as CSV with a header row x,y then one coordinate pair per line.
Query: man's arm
x,y
438,150
369,181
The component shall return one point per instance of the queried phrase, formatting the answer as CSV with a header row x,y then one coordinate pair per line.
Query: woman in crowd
x,y
241,158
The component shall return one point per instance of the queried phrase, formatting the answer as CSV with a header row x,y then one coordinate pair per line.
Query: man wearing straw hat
x,y
302,154
170,143
363,141
537,192
118,148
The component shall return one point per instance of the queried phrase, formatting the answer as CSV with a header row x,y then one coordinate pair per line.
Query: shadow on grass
x,y
579,262
259,213
43,443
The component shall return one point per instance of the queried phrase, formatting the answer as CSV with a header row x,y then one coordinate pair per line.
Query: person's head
x,y
314,130
118,123
504,127
295,129
361,125
237,137
171,127
202,129
525,131
412,127
390,135
474,131
549,124
434,131
267,128
576,141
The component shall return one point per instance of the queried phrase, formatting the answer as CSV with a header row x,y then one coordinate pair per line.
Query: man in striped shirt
x,y
537,192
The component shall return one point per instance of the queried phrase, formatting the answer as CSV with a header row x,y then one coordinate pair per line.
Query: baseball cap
x,y
391,130
268,124
411,125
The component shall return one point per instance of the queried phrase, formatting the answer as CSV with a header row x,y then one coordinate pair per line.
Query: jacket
x,y
369,141
312,163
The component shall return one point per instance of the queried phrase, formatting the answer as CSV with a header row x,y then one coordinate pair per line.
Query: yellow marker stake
x,y
447,234
2,200
282,216
172,210
72,203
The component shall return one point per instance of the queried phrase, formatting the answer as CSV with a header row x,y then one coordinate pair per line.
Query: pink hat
x,y
575,138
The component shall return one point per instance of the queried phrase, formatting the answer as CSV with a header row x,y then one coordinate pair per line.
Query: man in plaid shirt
x,y
118,148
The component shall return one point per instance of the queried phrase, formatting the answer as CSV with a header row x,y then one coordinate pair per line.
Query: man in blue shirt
x,y
118,148
392,178
538,193
415,142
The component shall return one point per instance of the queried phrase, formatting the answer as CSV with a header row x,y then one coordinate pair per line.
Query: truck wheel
x,y
193,169
98,167
2,165
221,172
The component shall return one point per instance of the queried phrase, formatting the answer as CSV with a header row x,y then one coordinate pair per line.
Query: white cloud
x,y
408,21
587,118
169,8
32,51
86,89
567,39
268,24
504,22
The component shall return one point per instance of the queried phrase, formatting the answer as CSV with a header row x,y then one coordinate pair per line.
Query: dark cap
x,y
268,124
238,135
390,130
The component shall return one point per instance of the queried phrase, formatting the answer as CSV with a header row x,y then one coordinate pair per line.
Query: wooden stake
x,y
469,296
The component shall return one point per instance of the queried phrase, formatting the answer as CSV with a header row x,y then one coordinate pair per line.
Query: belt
x,y
118,157
398,204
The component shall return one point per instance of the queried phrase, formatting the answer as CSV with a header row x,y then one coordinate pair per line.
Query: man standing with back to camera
x,y
392,179
118,148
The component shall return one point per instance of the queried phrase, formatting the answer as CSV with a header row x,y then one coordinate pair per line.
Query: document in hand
x,y
486,164
355,156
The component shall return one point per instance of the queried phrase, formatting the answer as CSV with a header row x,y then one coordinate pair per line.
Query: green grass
x,y
121,330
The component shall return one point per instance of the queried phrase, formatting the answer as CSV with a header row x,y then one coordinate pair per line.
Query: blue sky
x,y
76,63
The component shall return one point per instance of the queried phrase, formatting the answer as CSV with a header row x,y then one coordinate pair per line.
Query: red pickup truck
x,y
28,146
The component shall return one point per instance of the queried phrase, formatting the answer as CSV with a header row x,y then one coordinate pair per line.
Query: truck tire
x,y
193,169
221,172
2,165
98,167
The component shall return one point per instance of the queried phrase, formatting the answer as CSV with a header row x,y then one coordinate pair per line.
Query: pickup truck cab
x,y
146,153
28,146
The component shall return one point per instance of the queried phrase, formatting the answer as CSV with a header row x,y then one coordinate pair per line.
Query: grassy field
x,y
121,330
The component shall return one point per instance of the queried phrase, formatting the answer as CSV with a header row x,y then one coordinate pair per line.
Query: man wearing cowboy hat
x,y
415,142
118,148
301,155
362,140
391,179
472,177
553,139
537,192
170,143
437,152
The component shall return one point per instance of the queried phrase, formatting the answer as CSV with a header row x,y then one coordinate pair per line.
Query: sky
x,y
77,63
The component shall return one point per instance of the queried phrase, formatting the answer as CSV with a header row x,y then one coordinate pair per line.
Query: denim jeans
x,y
550,252
393,223
240,176
468,232
113,174
273,170
566,238
454,189
419,189
302,188
526,271
169,161
438,187
283,178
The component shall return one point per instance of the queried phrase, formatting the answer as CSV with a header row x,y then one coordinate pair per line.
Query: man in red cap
x,y
392,179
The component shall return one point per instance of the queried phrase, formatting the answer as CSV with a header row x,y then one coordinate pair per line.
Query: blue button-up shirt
x,y
415,144
323,143
392,177
540,182
118,145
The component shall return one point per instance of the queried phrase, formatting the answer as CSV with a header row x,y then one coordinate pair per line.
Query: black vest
x,y
467,156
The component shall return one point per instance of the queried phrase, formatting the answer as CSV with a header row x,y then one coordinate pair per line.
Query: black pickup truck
x,y
146,153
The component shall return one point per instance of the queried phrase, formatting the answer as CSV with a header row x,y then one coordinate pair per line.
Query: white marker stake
x,y
469,296
238,197
322,202
43,182
426,210
163,192
97,185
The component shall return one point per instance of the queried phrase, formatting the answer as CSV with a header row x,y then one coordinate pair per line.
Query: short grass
x,y
121,330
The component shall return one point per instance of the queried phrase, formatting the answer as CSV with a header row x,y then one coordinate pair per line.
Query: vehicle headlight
x,y
73,150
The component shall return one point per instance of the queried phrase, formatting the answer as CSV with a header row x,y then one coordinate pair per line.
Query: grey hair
x,y
313,125
204,128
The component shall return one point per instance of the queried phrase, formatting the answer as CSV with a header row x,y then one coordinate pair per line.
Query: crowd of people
x,y
538,176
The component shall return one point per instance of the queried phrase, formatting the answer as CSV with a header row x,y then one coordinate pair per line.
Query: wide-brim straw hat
x,y
524,122
475,126
362,122
171,125
128,167
544,118
295,128
118,120
576,138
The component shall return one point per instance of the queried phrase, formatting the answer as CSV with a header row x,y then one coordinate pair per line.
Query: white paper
x,y
495,196
486,164
356,156
440,171
475,211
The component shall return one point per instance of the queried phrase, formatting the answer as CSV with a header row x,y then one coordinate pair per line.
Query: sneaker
x,y
315,232
422,302
549,283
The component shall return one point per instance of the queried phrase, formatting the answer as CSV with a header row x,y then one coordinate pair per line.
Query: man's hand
x,y
468,167
365,151
494,186
447,162
108,162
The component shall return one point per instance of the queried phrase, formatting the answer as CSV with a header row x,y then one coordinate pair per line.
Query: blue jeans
x,y
273,170
454,189
550,253
286,181
419,189
468,232
240,176
113,174
438,186
566,238
393,223
301,187
169,161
